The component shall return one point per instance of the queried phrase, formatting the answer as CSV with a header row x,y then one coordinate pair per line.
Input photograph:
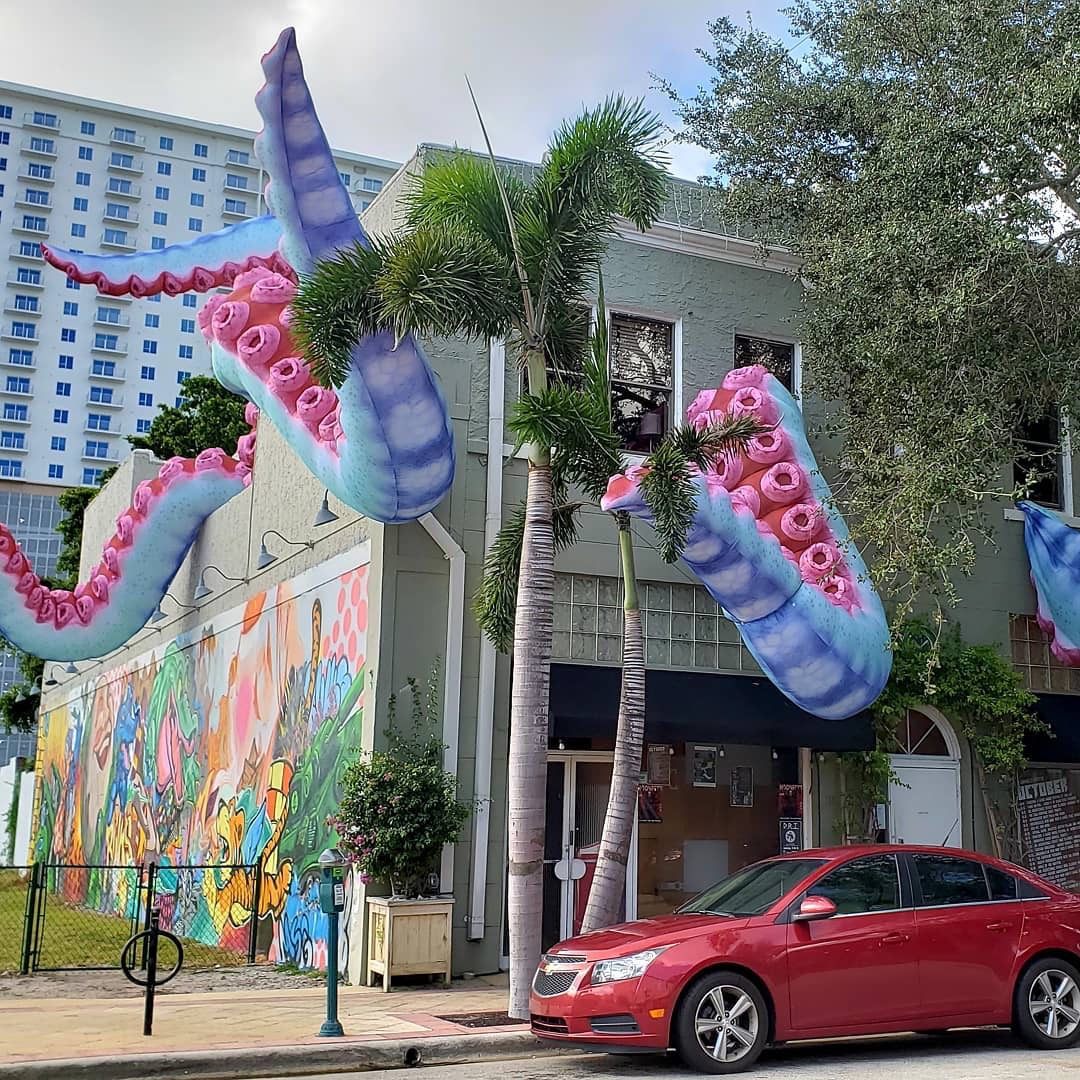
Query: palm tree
x,y
575,418
488,253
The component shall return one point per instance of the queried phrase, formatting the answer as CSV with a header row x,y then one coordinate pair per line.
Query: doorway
x,y
924,806
578,785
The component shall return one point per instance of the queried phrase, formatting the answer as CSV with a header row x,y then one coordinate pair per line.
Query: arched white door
x,y
924,805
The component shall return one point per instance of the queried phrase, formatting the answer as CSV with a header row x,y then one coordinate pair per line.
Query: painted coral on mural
x,y
217,756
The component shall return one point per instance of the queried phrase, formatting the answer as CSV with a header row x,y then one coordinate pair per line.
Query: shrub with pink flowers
x,y
399,805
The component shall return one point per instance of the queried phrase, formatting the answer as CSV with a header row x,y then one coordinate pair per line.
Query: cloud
x,y
384,76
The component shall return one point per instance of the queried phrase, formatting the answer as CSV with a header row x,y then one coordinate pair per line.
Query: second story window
x,y
641,356
1041,460
777,356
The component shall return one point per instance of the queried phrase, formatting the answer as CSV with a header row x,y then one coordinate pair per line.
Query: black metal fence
x,y
60,916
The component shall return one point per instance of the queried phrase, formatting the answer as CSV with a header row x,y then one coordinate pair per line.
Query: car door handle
x,y
998,927
896,938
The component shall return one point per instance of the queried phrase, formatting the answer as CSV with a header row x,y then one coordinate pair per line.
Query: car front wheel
x,y
1047,1004
722,1023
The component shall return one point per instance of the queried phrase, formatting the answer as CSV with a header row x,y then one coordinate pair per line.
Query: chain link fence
x,y
56,917
14,896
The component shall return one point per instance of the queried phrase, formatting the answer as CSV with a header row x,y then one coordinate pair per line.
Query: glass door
x,y
577,796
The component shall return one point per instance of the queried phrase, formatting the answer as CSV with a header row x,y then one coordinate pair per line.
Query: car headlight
x,y
624,967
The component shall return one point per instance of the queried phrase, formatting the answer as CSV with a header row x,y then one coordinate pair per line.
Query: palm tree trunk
x,y
529,704
609,878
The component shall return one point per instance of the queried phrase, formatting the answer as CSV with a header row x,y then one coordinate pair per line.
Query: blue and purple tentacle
x,y
1054,554
773,552
383,443
210,262
393,455
140,560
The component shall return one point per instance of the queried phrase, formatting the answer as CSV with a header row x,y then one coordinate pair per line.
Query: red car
x,y
847,941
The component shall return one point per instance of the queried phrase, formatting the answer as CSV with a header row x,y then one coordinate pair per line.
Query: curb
x,y
268,1061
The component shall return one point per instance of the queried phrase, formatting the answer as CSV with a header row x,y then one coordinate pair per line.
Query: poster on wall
x,y
703,766
650,805
659,770
789,800
1048,813
742,786
790,835
217,754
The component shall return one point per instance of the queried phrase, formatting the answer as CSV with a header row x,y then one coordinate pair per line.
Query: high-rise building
x,y
78,370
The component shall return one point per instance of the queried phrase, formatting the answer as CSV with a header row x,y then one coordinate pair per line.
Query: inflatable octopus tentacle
x,y
382,443
209,262
1054,554
136,567
387,427
770,548
305,191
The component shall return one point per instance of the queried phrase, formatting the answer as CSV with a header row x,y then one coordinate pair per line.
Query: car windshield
x,y
752,890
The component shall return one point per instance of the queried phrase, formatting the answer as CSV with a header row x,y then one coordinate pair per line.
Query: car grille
x,y
549,1025
623,1024
564,958
550,983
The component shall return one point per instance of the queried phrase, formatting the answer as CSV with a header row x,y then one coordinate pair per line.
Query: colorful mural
x,y
217,756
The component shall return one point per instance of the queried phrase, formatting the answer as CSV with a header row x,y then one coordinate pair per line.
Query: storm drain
x,y
481,1020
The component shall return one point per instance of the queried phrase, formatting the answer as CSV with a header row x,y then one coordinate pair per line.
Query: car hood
x,y
645,934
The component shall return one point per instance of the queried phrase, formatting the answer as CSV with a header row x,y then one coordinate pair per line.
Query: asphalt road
x,y
959,1056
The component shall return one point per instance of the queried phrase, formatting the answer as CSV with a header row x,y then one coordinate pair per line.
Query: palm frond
x,y
669,491
704,447
668,485
460,191
495,602
609,161
596,378
435,281
531,327
566,333
334,307
585,447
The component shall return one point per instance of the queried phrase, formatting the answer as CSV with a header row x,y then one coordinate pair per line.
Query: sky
x,y
385,75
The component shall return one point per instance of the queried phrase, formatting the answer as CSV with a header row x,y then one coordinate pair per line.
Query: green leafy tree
x,y
209,416
923,160
575,417
490,252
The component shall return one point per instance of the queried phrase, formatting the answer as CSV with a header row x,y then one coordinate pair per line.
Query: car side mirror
x,y
814,908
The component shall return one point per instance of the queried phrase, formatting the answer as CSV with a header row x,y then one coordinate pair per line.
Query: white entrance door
x,y
926,809
577,795
924,800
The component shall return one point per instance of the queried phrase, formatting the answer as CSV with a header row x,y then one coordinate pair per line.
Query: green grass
x,y
76,938
12,910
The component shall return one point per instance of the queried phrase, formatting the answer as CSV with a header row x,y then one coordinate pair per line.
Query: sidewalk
x,y
254,1033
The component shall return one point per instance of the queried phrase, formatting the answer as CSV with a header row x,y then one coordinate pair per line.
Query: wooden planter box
x,y
408,937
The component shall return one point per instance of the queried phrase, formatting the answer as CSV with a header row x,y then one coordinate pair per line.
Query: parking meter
x,y
332,902
332,881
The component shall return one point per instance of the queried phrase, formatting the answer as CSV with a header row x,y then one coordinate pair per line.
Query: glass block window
x,y
1031,656
683,625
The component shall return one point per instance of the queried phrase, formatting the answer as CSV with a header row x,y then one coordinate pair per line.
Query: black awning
x,y
689,706
1061,713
